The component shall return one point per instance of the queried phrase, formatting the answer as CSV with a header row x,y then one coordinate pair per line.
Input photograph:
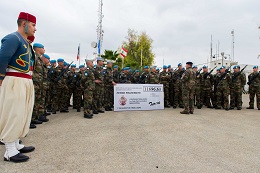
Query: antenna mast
x,y
100,31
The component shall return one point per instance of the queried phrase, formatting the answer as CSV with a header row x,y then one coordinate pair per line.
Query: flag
x,y
123,52
78,55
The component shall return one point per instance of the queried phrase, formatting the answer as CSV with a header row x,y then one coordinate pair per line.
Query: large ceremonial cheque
x,y
129,97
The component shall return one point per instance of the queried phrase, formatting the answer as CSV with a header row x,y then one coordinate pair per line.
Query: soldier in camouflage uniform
x,y
223,81
60,85
165,78
109,87
144,75
39,75
188,83
79,90
49,101
99,87
214,93
254,88
171,85
71,82
136,77
178,87
116,74
207,81
236,88
126,76
88,83
197,93
153,77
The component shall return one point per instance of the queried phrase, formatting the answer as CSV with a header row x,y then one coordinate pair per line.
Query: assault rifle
x,y
179,76
251,80
236,75
198,72
63,72
207,74
224,75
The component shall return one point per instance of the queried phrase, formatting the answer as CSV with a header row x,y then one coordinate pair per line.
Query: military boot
x,y
250,107
185,112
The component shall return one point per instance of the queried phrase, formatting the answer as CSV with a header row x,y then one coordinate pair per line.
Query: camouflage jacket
x,y
60,81
116,76
125,78
239,82
188,78
256,82
177,76
153,78
40,74
143,77
165,78
88,80
198,79
99,75
136,79
72,79
108,77
207,81
223,82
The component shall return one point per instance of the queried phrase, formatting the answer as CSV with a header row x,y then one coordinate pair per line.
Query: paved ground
x,y
145,141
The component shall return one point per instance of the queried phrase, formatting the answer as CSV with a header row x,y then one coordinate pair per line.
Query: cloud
x,y
181,30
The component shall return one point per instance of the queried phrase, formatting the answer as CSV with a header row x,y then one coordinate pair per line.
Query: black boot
x,y
64,111
88,116
36,122
78,110
17,158
43,118
100,111
95,112
32,126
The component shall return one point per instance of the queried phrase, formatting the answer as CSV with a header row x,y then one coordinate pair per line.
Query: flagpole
x,y
79,54
141,58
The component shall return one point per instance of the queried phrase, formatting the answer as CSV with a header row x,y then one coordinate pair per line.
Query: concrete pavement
x,y
145,142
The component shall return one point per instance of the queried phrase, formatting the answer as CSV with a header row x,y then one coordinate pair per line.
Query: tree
x,y
113,56
138,45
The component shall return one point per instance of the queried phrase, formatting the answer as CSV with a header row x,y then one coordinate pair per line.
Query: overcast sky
x,y
180,29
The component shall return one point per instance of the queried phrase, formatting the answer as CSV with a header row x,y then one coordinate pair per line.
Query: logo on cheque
x,y
122,101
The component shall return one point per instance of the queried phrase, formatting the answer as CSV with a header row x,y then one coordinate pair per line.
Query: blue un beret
x,y
255,67
136,71
100,59
165,66
179,64
60,60
205,66
169,66
109,62
38,45
146,67
53,61
65,63
235,67
73,65
81,66
46,56
222,67
116,66
218,69
195,66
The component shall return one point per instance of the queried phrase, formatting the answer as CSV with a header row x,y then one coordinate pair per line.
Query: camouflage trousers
x,y
109,96
188,98
236,98
166,95
59,99
178,95
49,98
205,96
88,101
222,95
171,94
254,91
197,95
77,98
39,103
98,98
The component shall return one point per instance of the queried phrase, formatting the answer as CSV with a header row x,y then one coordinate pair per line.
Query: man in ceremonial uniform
x,y
236,88
165,79
59,87
178,87
99,87
223,80
109,87
254,88
16,88
207,81
188,83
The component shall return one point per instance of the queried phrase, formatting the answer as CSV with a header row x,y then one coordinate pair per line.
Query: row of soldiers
x,y
92,86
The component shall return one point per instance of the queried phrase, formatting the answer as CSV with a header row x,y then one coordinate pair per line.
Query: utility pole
x,y
100,31
233,45
211,49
